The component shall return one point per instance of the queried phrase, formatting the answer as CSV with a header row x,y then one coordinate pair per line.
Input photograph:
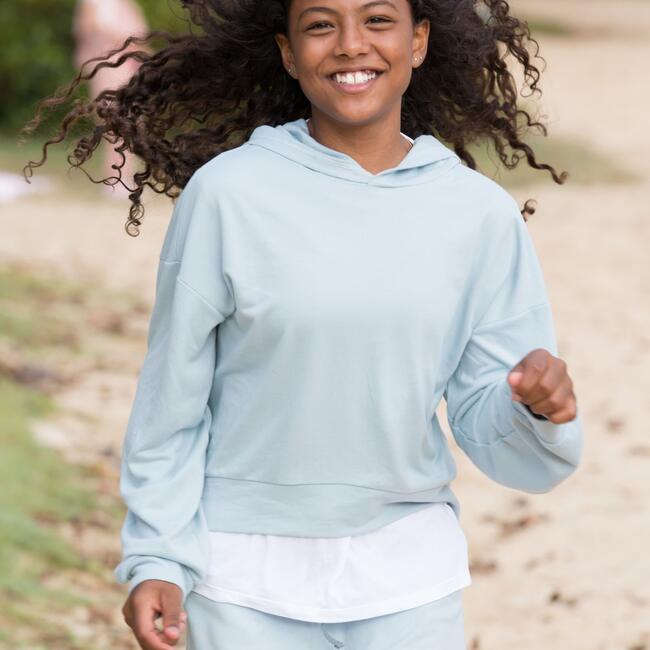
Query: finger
x,y
559,399
533,367
156,641
524,375
564,415
127,613
171,601
540,377
148,635
553,379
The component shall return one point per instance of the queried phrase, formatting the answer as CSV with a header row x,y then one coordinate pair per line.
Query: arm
x,y
164,533
504,438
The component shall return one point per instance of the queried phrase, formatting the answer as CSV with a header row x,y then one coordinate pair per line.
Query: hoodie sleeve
x,y
502,437
164,534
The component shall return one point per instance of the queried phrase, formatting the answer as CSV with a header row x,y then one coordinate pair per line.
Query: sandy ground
x,y
564,569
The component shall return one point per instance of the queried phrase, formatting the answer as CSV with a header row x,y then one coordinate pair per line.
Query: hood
x,y
427,158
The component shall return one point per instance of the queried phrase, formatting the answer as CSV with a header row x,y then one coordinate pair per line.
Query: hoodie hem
x,y
234,505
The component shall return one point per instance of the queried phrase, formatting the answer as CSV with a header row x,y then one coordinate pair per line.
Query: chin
x,y
347,114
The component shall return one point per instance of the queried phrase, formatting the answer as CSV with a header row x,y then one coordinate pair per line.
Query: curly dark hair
x,y
206,91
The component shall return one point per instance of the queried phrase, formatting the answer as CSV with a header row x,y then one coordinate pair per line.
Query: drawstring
x,y
330,638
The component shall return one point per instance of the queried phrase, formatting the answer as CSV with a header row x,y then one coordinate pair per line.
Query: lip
x,y
344,70
353,89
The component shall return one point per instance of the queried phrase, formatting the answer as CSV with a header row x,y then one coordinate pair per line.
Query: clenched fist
x,y
541,382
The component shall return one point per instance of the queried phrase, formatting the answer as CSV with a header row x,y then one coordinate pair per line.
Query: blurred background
x,y
568,569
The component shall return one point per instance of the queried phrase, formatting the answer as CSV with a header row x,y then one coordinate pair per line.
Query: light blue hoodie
x,y
309,317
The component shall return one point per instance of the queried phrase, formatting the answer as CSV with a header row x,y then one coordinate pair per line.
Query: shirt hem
x,y
336,614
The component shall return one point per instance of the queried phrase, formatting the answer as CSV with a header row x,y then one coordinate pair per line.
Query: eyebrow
x,y
329,10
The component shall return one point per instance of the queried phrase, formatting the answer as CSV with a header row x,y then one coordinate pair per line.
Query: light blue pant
x,y
212,625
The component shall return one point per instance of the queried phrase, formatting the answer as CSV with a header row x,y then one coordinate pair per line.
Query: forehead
x,y
300,8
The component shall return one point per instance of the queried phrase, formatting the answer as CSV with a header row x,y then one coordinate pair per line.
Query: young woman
x,y
330,272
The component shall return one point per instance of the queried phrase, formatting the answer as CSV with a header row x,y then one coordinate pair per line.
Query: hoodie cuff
x,y
535,415
161,569
547,431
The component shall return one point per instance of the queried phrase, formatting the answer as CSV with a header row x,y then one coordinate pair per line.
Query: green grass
x,y
585,165
14,156
41,490
25,297
38,486
549,27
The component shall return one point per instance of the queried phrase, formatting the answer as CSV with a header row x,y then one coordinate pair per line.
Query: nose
x,y
352,40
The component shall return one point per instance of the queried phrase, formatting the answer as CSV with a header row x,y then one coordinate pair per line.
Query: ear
x,y
421,38
285,50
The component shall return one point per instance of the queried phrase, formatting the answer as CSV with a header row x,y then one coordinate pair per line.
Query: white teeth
x,y
354,77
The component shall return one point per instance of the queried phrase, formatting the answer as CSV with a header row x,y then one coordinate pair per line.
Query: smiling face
x,y
353,58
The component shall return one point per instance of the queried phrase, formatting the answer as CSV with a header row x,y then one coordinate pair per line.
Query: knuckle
x,y
555,402
547,386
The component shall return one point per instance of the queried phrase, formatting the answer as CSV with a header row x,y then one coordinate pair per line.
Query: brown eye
x,y
316,25
381,19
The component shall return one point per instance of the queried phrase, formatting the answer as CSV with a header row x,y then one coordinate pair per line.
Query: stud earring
x,y
417,59
291,69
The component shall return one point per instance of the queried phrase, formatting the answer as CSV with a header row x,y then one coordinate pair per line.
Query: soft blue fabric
x,y
214,625
309,318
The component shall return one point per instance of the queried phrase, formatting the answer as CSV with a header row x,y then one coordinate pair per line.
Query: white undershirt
x,y
409,562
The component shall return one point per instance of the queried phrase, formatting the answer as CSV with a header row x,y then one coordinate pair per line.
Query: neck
x,y
375,146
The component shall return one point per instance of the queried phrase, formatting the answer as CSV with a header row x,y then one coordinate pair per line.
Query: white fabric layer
x,y
409,562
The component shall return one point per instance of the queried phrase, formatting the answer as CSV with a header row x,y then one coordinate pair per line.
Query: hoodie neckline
x,y
427,158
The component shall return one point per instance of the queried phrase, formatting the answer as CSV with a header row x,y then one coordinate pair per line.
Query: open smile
x,y
354,82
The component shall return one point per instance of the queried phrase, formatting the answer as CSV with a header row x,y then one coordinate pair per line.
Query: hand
x,y
540,380
145,604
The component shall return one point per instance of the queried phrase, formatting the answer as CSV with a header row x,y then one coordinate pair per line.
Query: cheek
x,y
311,53
401,55
401,67
395,50
311,76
